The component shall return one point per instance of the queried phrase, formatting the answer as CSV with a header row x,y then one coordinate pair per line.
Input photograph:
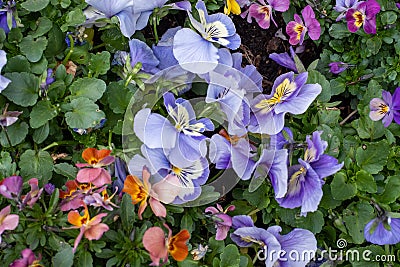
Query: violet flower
x,y
196,52
120,172
49,188
103,200
7,221
262,12
223,221
342,6
7,20
386,109
271,242
33,196
398,5
3,80
289,94
364,15
306,179
297,29
8,118
285,60
338,67
11,187
383,230
28,259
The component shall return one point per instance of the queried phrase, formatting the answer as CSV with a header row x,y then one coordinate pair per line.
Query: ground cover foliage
x,y
158,132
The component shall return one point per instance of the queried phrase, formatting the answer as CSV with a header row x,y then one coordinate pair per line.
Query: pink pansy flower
x,y
33,196
262,12
159,246
223,221
7,221
92,229
96,159
363,15
103,200
28,259
297,29
164,191
11,187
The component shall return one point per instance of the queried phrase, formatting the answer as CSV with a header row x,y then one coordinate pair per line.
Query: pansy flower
x,y
196,52
364,15
285,59
8,118
164,191
73,196
384,230
28,259
297,29
306,179
33,196
223,221
91,228
262,12
101,200
232,6
96,160
7,20
7,221
342,6
338,67
159,246
11,187
289,94
270,241
3,80
387,108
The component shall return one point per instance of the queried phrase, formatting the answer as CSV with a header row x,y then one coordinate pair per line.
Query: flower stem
x,y
155,28
71,50
9,143
60,143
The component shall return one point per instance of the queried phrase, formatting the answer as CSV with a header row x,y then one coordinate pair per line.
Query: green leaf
x,y
187,223
391,192
56,39
118,96
374,44
91,88
23,89
316,77
355,217
64,257
370,254
258,198
127,212
16,132
230,257
372,156
18,63
85,259
340,189
40,134
367,128
256,183
33,49
100,63
7,167
36,164
313,221
207,195
339,31
35,5
327,201
84,114
338,86
53,201
44,25
74,18
41,113
388,17
66,170
365,182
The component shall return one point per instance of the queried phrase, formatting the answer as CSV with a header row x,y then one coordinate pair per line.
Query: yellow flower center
x,y
177,170
359,17
299,29
383,109
283,91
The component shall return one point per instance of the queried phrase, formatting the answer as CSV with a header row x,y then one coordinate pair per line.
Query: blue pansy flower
x,y
7,20
196,51
384,230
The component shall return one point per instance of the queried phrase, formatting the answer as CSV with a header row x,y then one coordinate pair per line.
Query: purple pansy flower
x,y
386,109
11,187
262,12
338,67
140,52
306,179
285,60
297,29
383,230
183,138
7,221
364,15
190,174
272,243
281,139
3,80
196,52
7,20
120,172
342,6
289,94
28,259
223,221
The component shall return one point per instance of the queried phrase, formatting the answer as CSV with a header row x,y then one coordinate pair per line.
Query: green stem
x,y
71,50
110,139
216,176
98,46
253,212
60,143
9,143
155,28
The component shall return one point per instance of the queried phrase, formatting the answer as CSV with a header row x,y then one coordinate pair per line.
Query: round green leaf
x,y
33,49
36,164
35,5
91,88
16,132
340,189
23,89
84,114
42,112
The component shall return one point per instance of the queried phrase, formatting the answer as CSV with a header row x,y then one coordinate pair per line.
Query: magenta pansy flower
x,y
363,15
297,29
262,12
223,221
